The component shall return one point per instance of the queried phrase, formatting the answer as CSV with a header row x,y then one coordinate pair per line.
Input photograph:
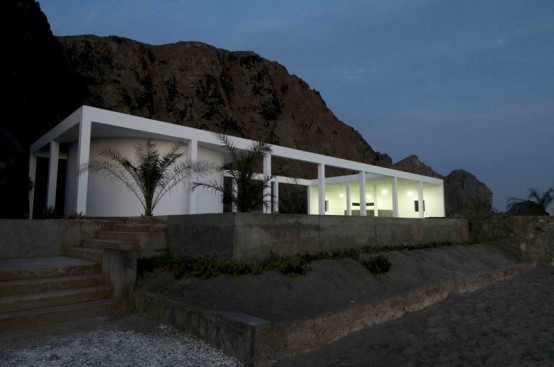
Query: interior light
x,y
384,191
368,197
341,194
410,193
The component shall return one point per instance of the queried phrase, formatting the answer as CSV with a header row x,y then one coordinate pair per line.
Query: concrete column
x,y
363,211
32,176
234,188
420,199
192,151
52,174
267,189
348,201
395,197
83,155
375,209
309,194
321,187
275,203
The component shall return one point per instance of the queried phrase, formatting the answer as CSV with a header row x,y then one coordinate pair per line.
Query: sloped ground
x,y
509,323
331,285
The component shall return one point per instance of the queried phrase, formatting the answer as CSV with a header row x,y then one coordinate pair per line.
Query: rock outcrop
x,y
188,83
414,165
466,196
197,85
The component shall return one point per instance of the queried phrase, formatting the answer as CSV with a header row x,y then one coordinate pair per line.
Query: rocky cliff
x,y
188,83
197,85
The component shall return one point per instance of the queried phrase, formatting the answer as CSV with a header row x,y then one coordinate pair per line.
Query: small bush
x,y
76,215
378,264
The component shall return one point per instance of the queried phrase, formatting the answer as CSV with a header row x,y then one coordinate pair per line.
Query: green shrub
x,y
378,264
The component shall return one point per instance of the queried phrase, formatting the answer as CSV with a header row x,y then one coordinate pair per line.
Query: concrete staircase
x,y
47,290
147,236
38,291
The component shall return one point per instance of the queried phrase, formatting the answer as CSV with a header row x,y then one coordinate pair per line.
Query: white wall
x,y
107,198
379,192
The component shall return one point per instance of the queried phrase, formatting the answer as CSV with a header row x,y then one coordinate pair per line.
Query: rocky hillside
x,y
464,194
187,83
197,85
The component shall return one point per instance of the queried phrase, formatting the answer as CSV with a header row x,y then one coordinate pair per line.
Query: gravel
x,y
112,345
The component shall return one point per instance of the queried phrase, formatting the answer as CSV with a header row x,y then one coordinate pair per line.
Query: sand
x,y
331,285
510,323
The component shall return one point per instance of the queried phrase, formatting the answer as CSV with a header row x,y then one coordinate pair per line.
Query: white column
x,y
83,155
420,199
375,209
275,204
348,201
267,189
321,187
192,151
52,174
234,188
32,176
363,211
395,197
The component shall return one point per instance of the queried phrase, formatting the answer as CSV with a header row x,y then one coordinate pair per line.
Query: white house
x,y
373,190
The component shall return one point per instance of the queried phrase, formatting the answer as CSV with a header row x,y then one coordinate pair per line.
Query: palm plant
x,y
151,176
534,197
248,192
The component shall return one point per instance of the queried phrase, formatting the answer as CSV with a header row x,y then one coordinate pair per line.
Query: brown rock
x,y
197,85
414,165
466,196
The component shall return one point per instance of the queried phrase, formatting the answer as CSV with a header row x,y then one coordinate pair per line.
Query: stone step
x,y
54,298
25,286
85,253
57,314
44,267
138,227
122,235
100,244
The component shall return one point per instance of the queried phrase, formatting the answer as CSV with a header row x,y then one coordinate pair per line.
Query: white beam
x,y
395,197
375,209
321,188
32,176
420,199
234,188
52,174
267,189
192,151
275,201
363,207
83,155
348,201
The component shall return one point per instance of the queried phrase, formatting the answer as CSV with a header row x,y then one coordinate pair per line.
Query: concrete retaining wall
x,y
258,342
253,236
37,238
529,237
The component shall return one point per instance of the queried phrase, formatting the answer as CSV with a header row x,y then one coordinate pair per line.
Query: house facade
x,y
78,139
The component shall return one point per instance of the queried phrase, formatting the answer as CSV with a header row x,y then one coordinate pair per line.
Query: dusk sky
x,y
461,84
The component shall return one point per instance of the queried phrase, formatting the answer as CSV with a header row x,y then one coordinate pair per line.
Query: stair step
x,y
49,315
136,227
42,267
85,253
25,286
121,235
100,244
54,298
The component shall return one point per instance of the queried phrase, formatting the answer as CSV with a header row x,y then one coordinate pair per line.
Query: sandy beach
x,y
510,323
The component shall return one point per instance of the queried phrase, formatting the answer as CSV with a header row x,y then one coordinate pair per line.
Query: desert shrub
x,y
50,213
76,215
378,264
